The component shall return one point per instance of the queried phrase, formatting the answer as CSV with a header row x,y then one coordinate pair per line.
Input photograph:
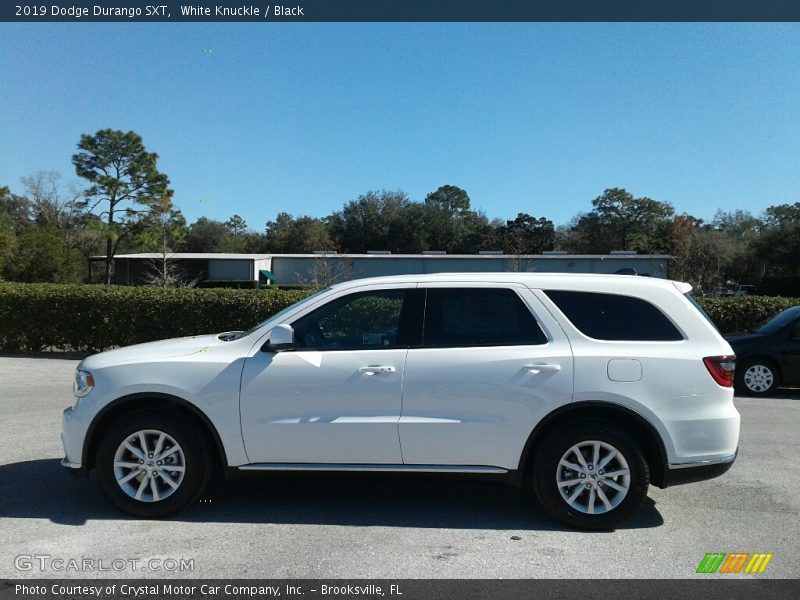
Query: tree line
x,y
48,230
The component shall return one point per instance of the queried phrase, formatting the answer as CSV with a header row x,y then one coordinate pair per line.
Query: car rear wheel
x,y
150,464
590,475
757,377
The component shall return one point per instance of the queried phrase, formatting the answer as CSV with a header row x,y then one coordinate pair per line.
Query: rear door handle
x,y
377,369
536,369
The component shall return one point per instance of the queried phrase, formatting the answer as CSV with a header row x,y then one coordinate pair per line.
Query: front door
x,y
787,347
336,397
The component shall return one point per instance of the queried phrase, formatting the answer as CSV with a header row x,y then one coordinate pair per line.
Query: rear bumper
x,y
697,471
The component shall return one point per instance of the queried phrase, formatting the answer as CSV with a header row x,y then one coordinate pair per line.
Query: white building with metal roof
x,y
324,268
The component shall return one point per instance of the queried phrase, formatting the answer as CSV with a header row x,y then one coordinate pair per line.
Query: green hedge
x,y
746,312
244,284
88,318
234,284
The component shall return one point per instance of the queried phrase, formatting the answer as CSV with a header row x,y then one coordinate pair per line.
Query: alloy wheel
x,y
593,477
149,465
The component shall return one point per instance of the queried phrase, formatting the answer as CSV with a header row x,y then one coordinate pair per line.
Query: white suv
x,y
586,388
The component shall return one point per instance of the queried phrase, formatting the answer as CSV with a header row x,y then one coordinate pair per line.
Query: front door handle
x,y
536,369
372,370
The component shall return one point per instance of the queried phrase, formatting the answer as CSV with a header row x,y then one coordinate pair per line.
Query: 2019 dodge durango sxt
x,y
585,388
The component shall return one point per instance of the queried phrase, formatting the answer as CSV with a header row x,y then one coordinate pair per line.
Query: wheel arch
x,y
637,426
150,400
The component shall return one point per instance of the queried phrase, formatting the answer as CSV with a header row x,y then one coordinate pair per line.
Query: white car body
x,y
470,409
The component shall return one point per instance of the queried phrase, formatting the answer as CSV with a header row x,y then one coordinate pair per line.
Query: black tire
x,y
198,463
741,370
545,467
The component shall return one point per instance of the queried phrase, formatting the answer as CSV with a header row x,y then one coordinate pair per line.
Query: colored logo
x,y
735,562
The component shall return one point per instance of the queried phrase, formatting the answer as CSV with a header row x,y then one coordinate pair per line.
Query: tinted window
x,y
779,321
614,317
280,313
363,321
478,317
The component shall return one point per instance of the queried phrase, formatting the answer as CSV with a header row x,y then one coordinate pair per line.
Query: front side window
x,y
613,317
279,314
360,321
459,317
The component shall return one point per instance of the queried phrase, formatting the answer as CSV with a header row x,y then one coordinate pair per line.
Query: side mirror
x,y
280,338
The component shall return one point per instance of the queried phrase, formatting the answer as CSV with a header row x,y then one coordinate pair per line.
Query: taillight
x,y
721,368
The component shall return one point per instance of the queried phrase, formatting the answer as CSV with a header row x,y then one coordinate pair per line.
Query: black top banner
x,y
401,11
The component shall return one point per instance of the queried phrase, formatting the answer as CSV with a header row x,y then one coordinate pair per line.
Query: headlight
x,y
84,383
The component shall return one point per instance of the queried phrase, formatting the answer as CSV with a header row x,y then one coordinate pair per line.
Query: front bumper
x,y
73,432
697,471
73,468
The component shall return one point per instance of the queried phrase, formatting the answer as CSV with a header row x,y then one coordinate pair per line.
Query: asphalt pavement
x,y
357,526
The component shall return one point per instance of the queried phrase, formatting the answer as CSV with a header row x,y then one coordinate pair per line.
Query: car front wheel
x,y
150,464
590,475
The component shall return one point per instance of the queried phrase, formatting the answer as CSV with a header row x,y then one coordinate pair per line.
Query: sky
x,y
256,119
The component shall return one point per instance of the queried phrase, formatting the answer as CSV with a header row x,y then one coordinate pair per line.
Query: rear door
x,y
493,361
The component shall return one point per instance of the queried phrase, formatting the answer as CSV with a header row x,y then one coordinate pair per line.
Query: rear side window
x,y
613,317
457,317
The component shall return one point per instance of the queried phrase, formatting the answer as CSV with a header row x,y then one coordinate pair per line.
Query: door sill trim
x,y
368,467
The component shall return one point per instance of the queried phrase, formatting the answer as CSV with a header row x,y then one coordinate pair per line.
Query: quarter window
x,y
457,317
614,317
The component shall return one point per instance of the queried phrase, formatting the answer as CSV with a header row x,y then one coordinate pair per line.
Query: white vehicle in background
x,y
587,388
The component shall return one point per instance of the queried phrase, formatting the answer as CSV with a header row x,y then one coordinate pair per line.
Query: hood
x,y
153,350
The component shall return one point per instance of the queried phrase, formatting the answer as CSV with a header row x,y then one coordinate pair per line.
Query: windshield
x,y
279,314
779,321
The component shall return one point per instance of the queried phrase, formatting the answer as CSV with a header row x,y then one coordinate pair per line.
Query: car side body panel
x,y
478,405
465,406
694,416
208,379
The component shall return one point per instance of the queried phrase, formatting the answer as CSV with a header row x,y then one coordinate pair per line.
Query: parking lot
x,y
335,526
